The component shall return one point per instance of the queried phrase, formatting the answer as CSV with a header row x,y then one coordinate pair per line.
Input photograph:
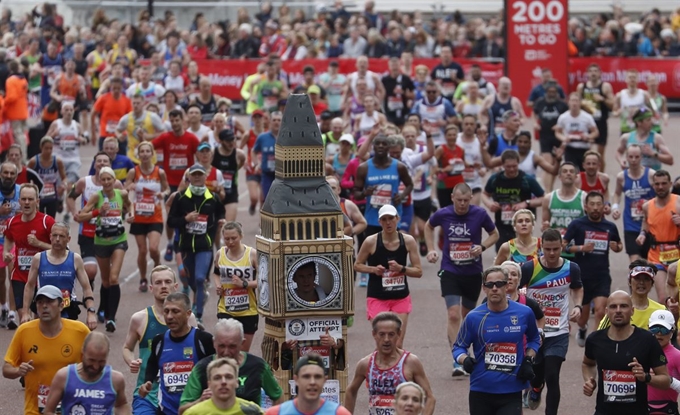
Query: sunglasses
x,y
431,92
497,284
660,330
642,270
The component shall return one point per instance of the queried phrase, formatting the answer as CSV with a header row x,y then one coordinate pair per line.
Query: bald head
x,y
619,295
96,340
619,309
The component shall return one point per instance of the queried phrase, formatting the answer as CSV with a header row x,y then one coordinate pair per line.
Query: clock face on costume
x,y
314,281
263,281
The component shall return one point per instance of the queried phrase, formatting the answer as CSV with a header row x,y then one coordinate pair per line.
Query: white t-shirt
x,y
579,125
201,132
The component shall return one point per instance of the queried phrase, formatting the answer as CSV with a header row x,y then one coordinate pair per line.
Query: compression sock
x,y
114,300
103,299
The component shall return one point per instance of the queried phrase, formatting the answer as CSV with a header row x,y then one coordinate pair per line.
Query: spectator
x,y
355,45
489,46
297,50
375,48
339,11
671,47
441,42
396,45
265,14
374,19
424,47
246,46
272,42
4,69
585,46
335,49
197,48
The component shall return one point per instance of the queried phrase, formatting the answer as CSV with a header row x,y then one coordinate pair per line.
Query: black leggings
x,y
482,403
548,372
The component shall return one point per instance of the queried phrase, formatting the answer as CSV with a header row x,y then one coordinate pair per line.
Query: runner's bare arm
x,y
29,288
484,111
620,154
75,191
356,217
616,107
588,369
517,106
551,168
414,270
133,337
240,158
122,406
357,381
545,211
83,280
663,154
608,92
367,248
62,172
421,379
56,391
86,213
503,254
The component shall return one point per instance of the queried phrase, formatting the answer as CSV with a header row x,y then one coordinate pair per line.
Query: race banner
x,y
227,76
667,71
536,38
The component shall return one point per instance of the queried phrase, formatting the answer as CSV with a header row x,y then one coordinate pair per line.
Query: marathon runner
x,y
254,373
228,160
174,353
26,234
386,368
529,160
640,282
69,87
472,150
385,256
234,275
546,111
144,326
599,95
53,177
506,139
501,365
148,90
89,386
269,89
662,326
137,125
495,106
109,207
590,238
508,191
61,268
635,185
448,74
110,108
550,281
50,334
660,225
461,268
562,206
451,164
263,152
150,186
622,358
436,111
659,104
9,196
524,246
592,179
655,152
253,176
629,100
576,129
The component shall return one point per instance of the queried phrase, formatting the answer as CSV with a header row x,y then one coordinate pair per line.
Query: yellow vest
x,y
133,141
236,300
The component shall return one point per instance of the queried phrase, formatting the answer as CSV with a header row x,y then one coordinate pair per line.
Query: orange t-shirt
x,y
665,232
110,111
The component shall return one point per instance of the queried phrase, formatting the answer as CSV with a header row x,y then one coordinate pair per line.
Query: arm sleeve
x,y
527,272
123,123
175,216
435,219
533,305
269,384
192,391
152,363
575,275
536,188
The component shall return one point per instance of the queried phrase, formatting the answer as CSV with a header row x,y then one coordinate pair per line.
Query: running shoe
x,y
110,326
168,253
458,370
251,210
423,249
363,280
100,316
535,398
581,336
144,286
4,317
12,321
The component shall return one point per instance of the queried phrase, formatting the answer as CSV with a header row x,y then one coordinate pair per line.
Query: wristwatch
x,y
92,310
245,284
648,377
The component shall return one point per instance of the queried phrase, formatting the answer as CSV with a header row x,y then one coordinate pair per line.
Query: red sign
x,y
227,76
536,38
667,71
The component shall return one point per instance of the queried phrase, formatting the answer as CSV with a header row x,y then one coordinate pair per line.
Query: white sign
x,y
331,390
311,328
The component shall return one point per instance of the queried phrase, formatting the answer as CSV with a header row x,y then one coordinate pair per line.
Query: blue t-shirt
x,y
120,166
461,232
497,339
265,144
581,231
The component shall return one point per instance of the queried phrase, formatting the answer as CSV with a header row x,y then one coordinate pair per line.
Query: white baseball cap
x,y
348,138
387,210
662,318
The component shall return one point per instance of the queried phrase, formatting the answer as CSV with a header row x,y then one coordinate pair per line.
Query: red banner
x,y
227,76
536,38
667,71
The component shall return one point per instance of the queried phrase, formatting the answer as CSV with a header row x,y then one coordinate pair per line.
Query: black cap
x,y
226,135
326,115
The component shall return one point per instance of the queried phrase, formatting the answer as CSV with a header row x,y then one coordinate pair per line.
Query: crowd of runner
x,y
434,167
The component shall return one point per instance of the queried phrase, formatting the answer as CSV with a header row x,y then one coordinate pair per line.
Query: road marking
x,y
135,274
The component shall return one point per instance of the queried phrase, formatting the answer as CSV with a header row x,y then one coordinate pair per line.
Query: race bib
x,y
145,205
599,239
469,174
69,143
177,162
271,102
448,88
48,190
636,212
506,214
459,253
109,220
236,299
500,357
552,319
198,227
498,128
43,391
24,262
322,351
382,195
381,405
271,162
619,386
159,157
66,295
458,166
228,179
176,375
395,103
111,127
668,253
393,282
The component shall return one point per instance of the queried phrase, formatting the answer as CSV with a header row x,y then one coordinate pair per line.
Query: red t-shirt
x,y
18,231
178,154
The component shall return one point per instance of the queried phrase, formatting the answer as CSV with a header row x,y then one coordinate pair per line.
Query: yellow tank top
x,y
236,300
133,141
96,62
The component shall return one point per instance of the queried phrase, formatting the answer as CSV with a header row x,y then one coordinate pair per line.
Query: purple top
x,y
460,233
